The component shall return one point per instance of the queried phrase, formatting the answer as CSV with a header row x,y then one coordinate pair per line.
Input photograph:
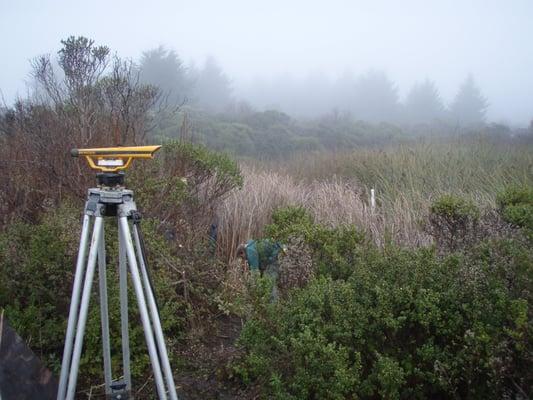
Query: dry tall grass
x,y
335,187
245,212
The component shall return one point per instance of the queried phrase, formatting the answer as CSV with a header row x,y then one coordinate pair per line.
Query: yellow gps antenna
x,y
114,159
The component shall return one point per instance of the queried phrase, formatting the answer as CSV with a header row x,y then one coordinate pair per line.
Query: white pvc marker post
x,y
372,200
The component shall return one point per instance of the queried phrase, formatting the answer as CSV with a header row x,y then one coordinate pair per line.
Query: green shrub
x,y
516,207
335,250
288,222
515,195
455,209
399,324
453,222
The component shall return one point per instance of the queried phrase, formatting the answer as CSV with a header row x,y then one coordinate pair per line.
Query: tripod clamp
x,y
135,217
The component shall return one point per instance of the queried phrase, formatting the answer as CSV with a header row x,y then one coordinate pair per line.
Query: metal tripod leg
x,y
123,277
101,200
104,314
80,329
73,312
156,322
143,311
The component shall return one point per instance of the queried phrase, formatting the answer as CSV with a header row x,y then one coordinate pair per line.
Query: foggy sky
x,y
410,40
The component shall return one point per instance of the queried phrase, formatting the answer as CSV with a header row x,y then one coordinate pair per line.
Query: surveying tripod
x,y
112,199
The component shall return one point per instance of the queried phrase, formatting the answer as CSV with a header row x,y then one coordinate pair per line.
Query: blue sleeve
x,y
252,255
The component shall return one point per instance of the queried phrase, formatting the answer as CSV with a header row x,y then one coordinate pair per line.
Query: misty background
x,y
379,61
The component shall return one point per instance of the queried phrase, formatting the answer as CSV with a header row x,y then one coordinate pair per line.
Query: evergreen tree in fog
x,y
375,98
164,69
469,106
423,103
212,87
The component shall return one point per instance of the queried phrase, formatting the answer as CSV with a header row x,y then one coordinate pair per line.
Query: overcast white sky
x,y
409,39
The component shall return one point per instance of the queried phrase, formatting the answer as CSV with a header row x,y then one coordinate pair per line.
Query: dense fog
x,y
410,61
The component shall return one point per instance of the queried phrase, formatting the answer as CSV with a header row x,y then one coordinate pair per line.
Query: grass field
x,y
335,187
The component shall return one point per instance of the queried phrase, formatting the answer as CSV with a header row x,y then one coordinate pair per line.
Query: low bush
x,y
453,222
457,224
516,207
335,250
396,323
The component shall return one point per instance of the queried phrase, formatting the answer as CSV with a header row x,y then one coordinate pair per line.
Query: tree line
x,y
371,97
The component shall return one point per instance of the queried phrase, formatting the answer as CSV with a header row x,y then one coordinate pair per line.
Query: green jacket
x,y
262,253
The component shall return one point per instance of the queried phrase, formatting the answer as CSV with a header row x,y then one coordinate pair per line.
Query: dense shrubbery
x,y
396,323
335,250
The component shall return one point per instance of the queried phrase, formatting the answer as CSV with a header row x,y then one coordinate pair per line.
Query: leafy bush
x,y
335,250
288,222
453,222
455,209
399,324
516,207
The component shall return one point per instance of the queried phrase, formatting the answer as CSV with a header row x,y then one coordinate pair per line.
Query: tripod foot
x,y
119,391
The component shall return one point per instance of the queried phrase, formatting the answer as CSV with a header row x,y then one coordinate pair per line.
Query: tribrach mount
x,y
111,199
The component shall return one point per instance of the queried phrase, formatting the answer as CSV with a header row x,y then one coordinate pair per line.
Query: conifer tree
x,y
469,106
423,103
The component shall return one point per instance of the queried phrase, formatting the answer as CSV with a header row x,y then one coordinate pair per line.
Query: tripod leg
x,y
73,312
123,274
104,313
156,322
143,311
80,329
